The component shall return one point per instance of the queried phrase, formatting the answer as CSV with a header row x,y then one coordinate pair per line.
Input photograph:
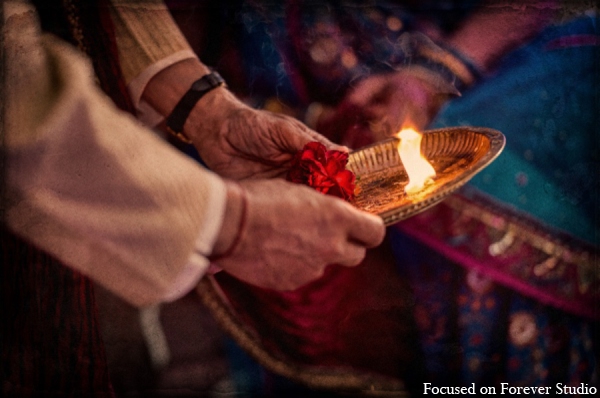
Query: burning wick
x,y
419,171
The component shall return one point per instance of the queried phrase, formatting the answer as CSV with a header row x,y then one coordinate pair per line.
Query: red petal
x,y
339,156
346,181
320,180
336,162
323,170
314,150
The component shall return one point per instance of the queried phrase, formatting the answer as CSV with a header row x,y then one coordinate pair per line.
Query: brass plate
x,y
456,154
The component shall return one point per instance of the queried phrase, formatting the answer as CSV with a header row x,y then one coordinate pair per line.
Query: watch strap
x,y
182,110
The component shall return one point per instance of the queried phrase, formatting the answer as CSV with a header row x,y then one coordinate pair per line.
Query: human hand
x,y
239,142
233,139
292,233
380,105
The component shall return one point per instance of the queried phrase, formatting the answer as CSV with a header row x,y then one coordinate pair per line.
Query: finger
x,y
301,135
365,228
352,255
314,136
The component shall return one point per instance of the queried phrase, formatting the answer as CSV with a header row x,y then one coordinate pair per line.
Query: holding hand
x,y
240,142
291,233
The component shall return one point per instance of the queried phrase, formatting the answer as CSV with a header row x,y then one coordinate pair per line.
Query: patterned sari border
x,y
514,249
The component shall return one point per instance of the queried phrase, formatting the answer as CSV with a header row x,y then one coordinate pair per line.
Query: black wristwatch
x,y
182,110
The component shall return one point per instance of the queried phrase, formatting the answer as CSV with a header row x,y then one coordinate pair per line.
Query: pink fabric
x,y
560,287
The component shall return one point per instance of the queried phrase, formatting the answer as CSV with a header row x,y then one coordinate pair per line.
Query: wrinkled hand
x,y
240,142
380,105
293,233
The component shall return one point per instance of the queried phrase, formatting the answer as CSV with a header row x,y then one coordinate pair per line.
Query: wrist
x,y
166,89
234,222
210,112
176,120
168,86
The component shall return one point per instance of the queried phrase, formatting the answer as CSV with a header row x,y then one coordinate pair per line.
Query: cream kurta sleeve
x,y
89,185
148,41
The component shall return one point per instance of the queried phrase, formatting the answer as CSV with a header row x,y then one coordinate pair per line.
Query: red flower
x,y
323,170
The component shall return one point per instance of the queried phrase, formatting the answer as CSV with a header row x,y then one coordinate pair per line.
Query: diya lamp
x,y
406,174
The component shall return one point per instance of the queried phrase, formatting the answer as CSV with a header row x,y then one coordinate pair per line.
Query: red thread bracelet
x,y
241,228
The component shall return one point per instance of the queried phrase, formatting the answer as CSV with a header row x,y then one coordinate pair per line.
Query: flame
x,y
419,170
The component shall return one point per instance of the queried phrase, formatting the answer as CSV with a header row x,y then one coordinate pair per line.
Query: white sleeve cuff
x,y
198,263
145,112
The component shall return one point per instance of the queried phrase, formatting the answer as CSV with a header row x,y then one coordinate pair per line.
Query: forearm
x,y
498,27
